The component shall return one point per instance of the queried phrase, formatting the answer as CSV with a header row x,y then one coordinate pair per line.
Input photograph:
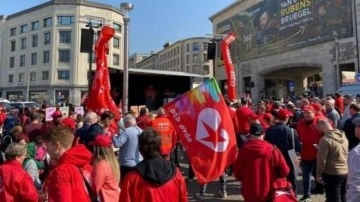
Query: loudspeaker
x,y
87,40
211,51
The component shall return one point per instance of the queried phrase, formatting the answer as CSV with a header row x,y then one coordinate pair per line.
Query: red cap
x,y
317,107
101,140
253,116
283,114
57,114
308,108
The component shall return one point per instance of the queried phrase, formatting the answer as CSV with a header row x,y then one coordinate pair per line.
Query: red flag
x,y
100,99
204,125
229,67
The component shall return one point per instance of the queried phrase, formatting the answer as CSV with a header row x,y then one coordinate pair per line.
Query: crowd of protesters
x,y
93,158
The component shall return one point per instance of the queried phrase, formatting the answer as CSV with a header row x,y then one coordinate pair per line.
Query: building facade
x,y
41,50
136,58
283,47
188,55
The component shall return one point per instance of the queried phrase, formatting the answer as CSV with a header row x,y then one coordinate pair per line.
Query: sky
x,y
153,22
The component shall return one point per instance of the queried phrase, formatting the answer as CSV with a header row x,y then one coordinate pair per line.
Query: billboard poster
x,y
275,26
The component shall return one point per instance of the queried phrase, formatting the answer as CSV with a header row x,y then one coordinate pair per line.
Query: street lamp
x,y
125,9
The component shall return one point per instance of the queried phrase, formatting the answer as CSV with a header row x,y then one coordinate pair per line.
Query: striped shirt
x,y
353,180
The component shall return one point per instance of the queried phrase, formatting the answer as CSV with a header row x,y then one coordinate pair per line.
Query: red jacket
x,y
143,121
339,104
257,166
168,135
234,119
242,116
15,184
308,135
135,188
65,183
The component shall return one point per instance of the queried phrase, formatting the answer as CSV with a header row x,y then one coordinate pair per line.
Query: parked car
x,y
352,89
4,100
6,105
30,105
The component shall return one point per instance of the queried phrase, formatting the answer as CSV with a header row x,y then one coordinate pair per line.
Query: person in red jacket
x,y
167,132
154,179
143,120
309,137
2,117
242,115
57,118
65,182
339,103
15,184
258,165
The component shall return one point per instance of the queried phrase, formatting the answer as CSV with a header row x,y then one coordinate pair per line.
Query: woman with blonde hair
x,y
105,177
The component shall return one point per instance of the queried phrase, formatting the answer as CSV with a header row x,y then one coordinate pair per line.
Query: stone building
x,y
284,47
40,46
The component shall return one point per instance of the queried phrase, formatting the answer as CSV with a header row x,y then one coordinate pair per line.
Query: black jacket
x,y
349,129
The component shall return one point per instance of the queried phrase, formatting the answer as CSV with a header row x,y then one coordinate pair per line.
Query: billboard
x,y
275,26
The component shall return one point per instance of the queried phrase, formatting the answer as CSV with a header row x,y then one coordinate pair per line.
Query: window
x,y
63,75
11,78
33,76
195,46
12,62
46,56
187,47
47,22
187,59
205,45
13,46
22,60
116,42
45,75
65,36
205,57
35,25
195,58
116,59
65,20
21,77
35,40
64,55
13,31
23,29
23,43
117,27
47,37
206,69
33,58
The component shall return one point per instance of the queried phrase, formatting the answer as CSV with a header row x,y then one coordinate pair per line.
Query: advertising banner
x,y
275,26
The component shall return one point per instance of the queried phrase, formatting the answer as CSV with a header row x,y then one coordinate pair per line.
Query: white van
x,y
352,89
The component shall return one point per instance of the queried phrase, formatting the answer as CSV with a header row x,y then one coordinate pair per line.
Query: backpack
x,y
282,191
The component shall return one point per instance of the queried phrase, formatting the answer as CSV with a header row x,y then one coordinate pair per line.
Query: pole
x,y
126,67
28,85
357,39
90,62
337,67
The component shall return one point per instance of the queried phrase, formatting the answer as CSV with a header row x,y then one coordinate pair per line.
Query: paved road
x,y
233,189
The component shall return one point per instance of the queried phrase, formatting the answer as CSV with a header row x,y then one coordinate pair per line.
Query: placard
x,y
49,112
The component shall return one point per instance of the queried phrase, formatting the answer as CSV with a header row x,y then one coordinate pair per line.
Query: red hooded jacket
x,y
257,166
308,136
154,180
65,183
15,184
